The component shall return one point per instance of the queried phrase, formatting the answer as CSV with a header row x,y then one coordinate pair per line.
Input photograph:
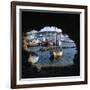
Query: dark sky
x,y
69,23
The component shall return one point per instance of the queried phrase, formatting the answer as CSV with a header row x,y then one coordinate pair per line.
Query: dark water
x,y
71,56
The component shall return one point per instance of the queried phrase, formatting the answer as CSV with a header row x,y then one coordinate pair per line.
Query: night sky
x,y
69,23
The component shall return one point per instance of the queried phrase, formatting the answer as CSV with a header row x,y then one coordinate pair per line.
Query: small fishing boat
x,y
33,58
56,54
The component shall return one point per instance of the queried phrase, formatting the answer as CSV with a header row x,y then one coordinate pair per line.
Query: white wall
x,y
5,44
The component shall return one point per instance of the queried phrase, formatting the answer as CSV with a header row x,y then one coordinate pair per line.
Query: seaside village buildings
x,y
48,36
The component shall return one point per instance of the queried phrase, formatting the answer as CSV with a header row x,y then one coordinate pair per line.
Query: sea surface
x,y
70,61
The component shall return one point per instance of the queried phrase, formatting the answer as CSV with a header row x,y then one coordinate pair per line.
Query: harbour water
x,y
66,59
69,61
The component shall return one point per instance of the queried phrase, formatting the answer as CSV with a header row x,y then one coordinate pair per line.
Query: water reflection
x,y
65,60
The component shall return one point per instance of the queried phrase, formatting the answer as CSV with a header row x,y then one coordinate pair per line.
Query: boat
x,y
56,55
34,42
33,58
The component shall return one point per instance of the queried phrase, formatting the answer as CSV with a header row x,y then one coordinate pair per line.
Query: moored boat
x,y
33,58
57,54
